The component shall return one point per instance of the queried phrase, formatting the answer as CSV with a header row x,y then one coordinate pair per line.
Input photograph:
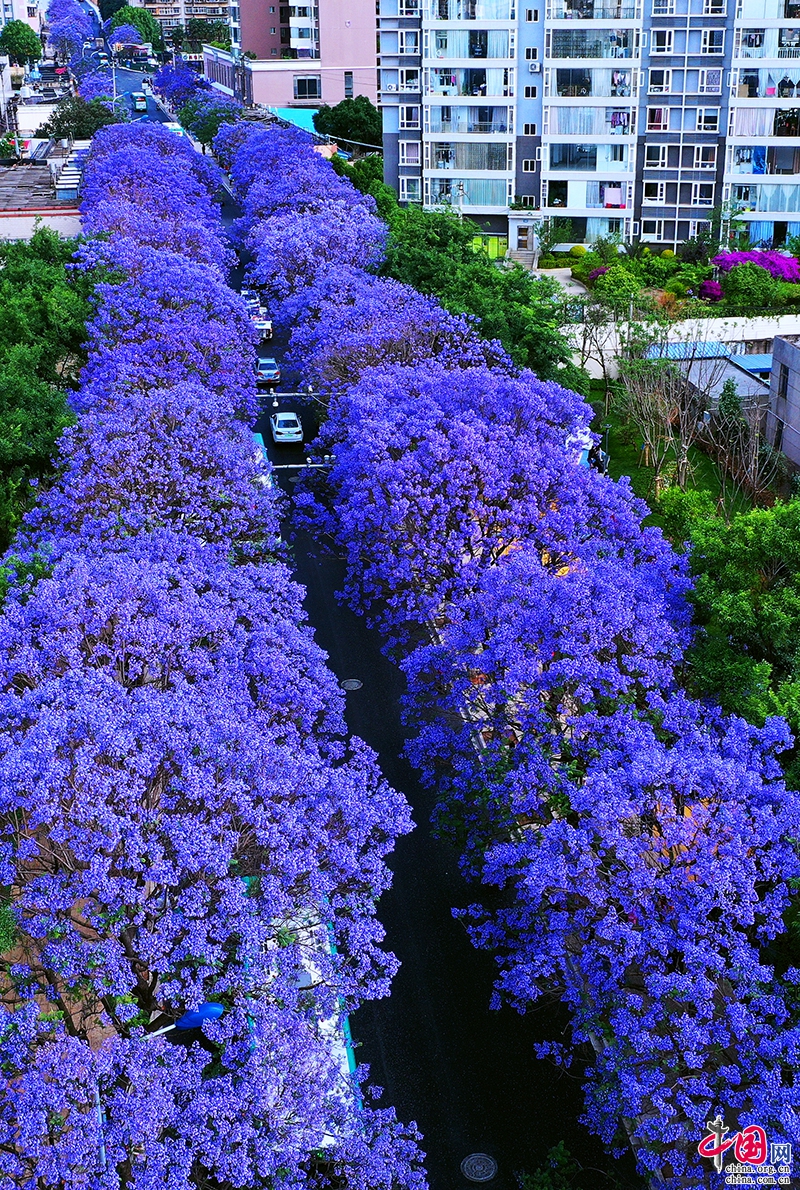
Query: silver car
x,y
286,428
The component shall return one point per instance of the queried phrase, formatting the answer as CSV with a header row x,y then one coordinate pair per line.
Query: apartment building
x,y
635,117
312,54
173,13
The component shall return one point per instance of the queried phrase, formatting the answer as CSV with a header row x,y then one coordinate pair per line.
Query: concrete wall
x,y
783,422
695,330
22,226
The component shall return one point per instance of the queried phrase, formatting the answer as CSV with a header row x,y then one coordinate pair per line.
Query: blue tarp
x,y
303,117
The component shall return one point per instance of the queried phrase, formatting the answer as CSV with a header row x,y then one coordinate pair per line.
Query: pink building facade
x,y
323,54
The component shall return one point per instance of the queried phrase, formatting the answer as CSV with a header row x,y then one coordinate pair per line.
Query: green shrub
x,y
618,286
577,250
788,293
668,253
548,262
748,287
583,265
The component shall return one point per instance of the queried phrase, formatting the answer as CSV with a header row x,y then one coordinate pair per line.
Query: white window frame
x,y
668,38
714,8
305,78
530,130
531,54
703,85
666,89
405,72
663,8
657,232
697,200
696,226
409,124
659,198
705,40
703,113
662,157
414,158
404,187
408,34
529,165
701,151
651,127
530,92
410,8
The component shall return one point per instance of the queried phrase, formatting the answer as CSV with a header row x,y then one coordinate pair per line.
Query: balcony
x,y
580,82
765,84
589,121
592,10
584,43
759,159
768,10
471,43
464,156
768,43
471,120
471,82
470,10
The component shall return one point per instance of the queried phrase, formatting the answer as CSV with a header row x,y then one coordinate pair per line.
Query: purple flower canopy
x,y
184,818
783,268
640,842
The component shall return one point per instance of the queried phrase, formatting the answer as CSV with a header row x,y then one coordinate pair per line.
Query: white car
x,y
285,428
261,323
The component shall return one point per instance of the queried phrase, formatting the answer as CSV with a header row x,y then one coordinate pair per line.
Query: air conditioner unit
x,y
390,87
534,67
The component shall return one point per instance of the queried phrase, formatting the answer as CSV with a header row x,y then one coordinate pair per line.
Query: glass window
x,y
410,190
655,156
663,41
659,82
529,165
708,119
308,86
410,152
713,41
705,156
409,117
654,192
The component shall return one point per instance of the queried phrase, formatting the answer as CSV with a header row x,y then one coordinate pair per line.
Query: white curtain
x,y
493,10
495,81
482,192
454,43
778,198
596,228
498,43
572,121
753,121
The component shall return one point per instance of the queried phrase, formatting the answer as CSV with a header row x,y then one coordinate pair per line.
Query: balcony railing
x,y
592,10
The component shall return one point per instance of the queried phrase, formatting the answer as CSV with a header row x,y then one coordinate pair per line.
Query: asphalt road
x,y
467,1075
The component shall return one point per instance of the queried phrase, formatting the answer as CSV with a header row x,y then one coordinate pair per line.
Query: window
x,y
308,86
531,14
615,227
616,152
273,30
409,117
348,84
709,81
655,156
529,130
529,165
705,157
530,92
274,52
702,194
708,119
410,190
663,41
658,119
713,8
409,41
783,382
410,152
531,54
660,82
698,227
652,229
409,79
713,41
409,8
654,192
663,8
32,12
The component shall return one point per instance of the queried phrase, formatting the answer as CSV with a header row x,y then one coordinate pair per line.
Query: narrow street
x,y
467,1075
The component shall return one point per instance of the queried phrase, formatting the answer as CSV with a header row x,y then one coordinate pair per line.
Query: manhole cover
x,y
351,684
479,1167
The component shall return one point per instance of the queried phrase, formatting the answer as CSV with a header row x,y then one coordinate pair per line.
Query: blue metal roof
x,y
755,363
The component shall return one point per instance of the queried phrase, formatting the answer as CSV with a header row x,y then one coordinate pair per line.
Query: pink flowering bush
x,y
783,268
710,291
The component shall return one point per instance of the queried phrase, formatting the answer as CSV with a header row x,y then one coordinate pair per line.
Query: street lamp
x,y
208,1011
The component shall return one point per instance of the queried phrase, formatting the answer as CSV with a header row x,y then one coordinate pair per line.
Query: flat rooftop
x,y
29,188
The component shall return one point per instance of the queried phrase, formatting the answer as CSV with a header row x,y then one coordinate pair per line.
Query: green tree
x,y
76,118
747,605
619,287
43,312
353,120
20,42
435,252
749,288
109,7
199,30
141,19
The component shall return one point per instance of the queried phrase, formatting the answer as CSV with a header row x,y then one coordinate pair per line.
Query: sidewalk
x,y
564,278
